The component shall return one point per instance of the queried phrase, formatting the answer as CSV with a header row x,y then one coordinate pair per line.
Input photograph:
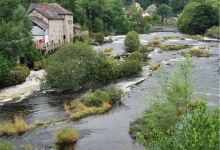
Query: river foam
x,y
21,91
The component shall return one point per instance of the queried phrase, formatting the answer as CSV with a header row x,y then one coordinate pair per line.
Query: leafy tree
x,y
177,5
4,67
151,9
71,66
97,25
197,17
164,11
16,39
132,41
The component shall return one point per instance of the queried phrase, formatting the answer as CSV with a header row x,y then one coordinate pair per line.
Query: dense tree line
x,y
16,40
198,16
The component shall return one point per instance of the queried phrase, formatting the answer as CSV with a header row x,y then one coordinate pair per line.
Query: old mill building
x,y
52,26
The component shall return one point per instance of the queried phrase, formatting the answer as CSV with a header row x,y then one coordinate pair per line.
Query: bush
x,y
6,146
114,93
18,125
195,52
99,37
72,66
197,18
17,75
129,67
170,103
66,135
154,66
131,42
89,99
135,56
213,32
144,52
155,41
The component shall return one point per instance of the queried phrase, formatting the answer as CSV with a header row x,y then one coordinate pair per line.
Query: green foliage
x,y
71,66
75,64
197,130
66,135
114,93
129,67
135,56
197,17
107,69
144,52
213,32
98,25
164,11
18,74
110,94
99,37
16,40
163,114
4,67
132,41
94,99
6,146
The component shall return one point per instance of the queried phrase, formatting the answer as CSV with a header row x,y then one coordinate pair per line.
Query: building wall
x,y
55,32
68,27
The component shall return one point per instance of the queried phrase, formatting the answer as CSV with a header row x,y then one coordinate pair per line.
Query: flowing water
x,y
110,130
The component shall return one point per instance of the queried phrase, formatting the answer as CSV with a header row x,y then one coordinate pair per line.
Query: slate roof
x,y
76,26
39,22
51,11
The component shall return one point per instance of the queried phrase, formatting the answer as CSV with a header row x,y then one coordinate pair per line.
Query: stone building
x,y
52,26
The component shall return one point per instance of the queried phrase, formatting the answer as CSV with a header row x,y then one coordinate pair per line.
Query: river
x,y
110,130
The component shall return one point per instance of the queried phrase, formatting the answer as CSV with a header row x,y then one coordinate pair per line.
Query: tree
x,y
197,17
71,67
16,39
151,9
164,11
177,5
132,41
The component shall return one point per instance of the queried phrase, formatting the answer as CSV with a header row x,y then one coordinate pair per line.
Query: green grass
x,y
66,136
195,52
17,125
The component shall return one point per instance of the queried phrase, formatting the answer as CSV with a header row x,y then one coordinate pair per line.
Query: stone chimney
x,y
44,6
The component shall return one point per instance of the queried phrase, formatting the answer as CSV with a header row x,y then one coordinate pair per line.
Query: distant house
x,y
144,14
52,25
76,29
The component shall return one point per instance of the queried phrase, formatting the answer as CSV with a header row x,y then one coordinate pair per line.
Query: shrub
x,y
129,67
72,66
164,113
155,41
132,41
144,52
108,49
17,75
114,93
89,99
195,52
135,56
154,66
6,146
18,125
66,135
99,37
213,32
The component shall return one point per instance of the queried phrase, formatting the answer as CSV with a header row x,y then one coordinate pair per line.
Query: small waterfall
x,y
21,91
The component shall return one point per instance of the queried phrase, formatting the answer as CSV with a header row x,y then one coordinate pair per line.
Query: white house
x,y
52,25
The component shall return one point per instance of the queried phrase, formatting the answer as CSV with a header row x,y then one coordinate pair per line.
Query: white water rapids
x,y
19,92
